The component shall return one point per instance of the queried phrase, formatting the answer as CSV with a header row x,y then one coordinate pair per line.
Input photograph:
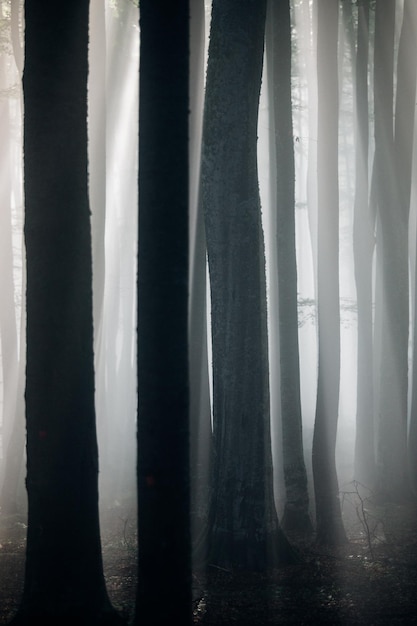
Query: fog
x,y
113,150
115,315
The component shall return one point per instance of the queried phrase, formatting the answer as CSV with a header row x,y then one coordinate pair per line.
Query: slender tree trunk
x,y
309,48
164,577
404,138
328,514
278,42
393,195
363,249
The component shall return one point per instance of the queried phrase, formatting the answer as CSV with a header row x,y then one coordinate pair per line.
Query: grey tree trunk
x,y
363,249
328,513
393,161
278,47
404,135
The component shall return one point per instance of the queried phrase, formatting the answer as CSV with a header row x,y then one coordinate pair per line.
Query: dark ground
x,y
372,580
119,555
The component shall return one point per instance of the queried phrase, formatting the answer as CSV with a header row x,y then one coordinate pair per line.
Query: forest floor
x,y
118,536
371,580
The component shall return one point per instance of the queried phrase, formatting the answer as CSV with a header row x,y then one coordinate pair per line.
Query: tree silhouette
x,y
164,586
64,582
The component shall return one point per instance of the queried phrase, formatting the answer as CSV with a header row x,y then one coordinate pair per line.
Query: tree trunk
x,y
393,161
328,514
164,576
404,138
296,512
363,249
64,580
245,531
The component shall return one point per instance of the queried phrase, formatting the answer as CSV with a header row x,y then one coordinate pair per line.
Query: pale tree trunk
x,y
363,249
328,513
393,162
404,136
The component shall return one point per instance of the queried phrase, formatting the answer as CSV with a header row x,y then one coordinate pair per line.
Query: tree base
x,y
331,533
297,522
231,551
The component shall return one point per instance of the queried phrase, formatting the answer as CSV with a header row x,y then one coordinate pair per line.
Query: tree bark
x,y
245,531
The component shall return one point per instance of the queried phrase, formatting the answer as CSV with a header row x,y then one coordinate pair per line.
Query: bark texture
x,y
245,531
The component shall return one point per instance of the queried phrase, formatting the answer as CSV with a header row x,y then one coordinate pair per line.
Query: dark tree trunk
x,y
245,531
64,582
363,249
278,41
328,514
164,586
